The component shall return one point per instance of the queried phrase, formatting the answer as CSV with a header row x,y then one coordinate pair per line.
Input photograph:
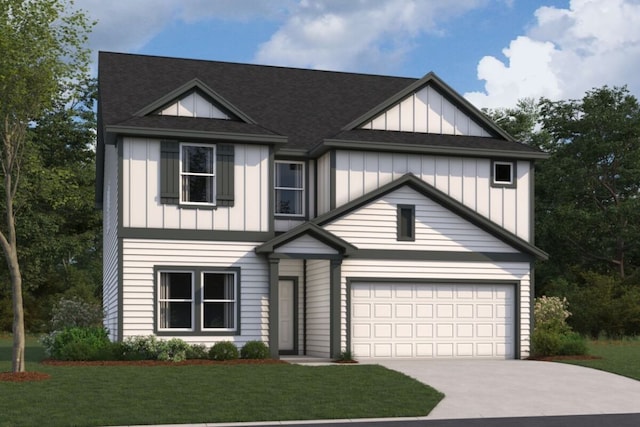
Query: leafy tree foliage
x,y
43,56
588,204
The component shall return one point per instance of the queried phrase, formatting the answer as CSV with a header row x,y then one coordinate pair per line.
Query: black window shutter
x,y
169,172
225,162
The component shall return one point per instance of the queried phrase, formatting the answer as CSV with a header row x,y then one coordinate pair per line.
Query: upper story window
x,y
503,174
197,174
289,188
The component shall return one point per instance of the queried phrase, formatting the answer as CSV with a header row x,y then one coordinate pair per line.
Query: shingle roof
x,y
306,107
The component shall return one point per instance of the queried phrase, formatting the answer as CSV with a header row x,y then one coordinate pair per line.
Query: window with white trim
x,y
289,188
208,295
503,173
218,301
197,174
175,300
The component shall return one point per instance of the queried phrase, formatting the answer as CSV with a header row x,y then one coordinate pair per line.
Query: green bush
x,y
223,350
255,350
545,342
78,344
572,344
197,351
151,348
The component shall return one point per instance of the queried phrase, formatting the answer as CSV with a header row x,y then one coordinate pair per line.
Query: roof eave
x,y
427,149
188,133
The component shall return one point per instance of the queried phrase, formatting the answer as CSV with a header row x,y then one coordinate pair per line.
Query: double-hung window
x,y
289,188
175,300
197,174
198,300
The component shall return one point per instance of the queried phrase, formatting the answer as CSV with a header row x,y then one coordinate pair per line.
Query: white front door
x,y
286,315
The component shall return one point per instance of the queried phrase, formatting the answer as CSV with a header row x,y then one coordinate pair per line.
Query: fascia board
x,y
181,133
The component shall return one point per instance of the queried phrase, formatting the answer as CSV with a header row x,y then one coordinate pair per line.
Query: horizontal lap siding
x,y
306,245
110,243
141,192
467,180
374,226
318,297
434,271
140,257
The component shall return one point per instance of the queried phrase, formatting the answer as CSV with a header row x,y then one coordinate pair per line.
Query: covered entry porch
x,y
304,292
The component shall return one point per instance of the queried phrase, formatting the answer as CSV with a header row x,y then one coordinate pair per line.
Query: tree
x,y
588,206
43,58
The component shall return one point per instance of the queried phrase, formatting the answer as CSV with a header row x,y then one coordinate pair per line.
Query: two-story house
x,y
315,211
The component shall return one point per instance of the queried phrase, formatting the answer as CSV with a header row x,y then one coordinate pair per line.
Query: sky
x,y
493,52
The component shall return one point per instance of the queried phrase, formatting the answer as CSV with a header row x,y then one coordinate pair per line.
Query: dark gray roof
x,y
303,105
307,109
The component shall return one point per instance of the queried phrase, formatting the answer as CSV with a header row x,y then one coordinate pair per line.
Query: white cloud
x,y
566,53
355,35
126,26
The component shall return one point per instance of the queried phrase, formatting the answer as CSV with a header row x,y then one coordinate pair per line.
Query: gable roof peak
x,y
184,89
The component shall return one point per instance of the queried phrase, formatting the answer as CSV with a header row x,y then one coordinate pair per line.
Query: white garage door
x,y
432,320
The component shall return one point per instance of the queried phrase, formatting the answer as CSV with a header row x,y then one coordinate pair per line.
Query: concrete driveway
x,y
520,388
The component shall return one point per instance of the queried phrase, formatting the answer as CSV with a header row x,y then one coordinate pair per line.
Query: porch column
x,y
274,264
335,312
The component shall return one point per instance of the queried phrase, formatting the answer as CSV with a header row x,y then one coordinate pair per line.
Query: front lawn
x,y
619,357
124,395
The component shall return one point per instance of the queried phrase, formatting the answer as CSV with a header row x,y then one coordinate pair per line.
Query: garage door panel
x,y
432,320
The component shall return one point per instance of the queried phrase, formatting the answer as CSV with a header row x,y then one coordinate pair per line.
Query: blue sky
x,y
491,51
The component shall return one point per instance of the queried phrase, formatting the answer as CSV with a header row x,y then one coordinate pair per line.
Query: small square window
x,y
503,173
406,222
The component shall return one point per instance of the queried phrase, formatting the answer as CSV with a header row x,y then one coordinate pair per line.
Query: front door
x,y
286,316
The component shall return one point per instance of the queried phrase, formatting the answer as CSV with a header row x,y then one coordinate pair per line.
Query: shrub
x,y
223,350
572,344
75,312
174,350
255,350
78,344
197,351
151,348
552,335
551,313
346,356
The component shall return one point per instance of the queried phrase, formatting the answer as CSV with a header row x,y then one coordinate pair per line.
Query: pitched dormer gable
x,y
428,106
195,99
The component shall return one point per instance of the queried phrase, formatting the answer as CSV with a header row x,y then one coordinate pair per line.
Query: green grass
x,y
122,395
619,357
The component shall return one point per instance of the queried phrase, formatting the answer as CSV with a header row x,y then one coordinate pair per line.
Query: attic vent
x,y
193,104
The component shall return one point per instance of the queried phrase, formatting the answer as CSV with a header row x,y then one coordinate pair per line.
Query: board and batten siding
x,y
306,245
434,271
141,256
141,192
110,248
426,111
374,226
318,310
467,180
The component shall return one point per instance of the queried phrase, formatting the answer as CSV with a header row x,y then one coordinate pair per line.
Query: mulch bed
x,y
20,377
189,362
40,376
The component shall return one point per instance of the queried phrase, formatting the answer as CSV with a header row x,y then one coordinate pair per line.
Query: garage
x,y
432,320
